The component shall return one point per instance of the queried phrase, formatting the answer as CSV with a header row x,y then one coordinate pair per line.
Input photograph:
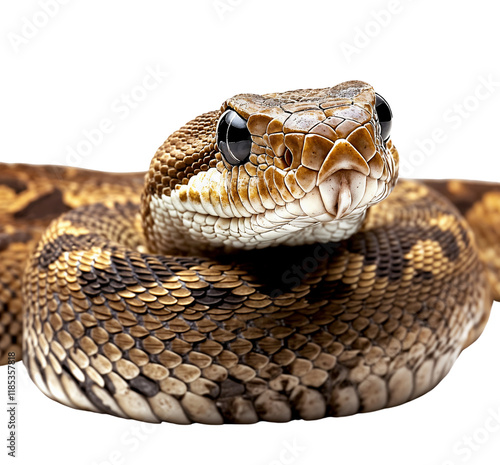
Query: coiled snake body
x,y
257,278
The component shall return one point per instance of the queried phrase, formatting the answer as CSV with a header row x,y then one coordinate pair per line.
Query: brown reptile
x,y
257,278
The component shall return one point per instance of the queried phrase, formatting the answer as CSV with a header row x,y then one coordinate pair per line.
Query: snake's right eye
x,y
233,138
384,114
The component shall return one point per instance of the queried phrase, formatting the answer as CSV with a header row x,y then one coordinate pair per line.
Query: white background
x,y
63,74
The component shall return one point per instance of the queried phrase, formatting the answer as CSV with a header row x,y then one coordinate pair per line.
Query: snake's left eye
x,y
233,138
384,116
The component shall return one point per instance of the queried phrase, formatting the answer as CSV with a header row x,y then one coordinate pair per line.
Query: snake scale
x,y
266,267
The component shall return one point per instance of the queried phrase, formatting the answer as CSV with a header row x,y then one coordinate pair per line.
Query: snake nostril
x,y
288,157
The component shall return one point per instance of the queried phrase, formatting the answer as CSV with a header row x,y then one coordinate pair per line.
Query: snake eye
x,y
233,137
384,116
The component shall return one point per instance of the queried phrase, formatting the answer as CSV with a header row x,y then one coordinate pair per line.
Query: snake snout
x,y
342,163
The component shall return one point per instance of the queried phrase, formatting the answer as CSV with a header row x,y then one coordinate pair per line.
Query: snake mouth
x,y
346,191
344,194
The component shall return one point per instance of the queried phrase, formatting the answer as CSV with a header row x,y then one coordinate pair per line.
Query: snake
x,y
269,266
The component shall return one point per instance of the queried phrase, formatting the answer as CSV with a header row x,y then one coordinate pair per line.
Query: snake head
x,y
284,168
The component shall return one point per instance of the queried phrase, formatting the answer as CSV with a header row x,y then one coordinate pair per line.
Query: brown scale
x,y
184,154
111,328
